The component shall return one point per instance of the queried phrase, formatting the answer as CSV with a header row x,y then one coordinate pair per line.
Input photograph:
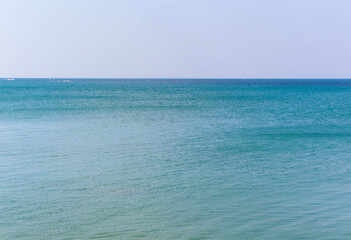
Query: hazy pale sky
x,y
175,38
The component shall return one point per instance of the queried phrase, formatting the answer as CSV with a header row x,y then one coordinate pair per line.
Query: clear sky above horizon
x,y
175,38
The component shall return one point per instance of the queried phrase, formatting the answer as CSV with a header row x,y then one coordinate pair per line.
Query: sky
x,y
175,38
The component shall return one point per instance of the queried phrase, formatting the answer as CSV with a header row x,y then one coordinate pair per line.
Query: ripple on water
x,y
174,160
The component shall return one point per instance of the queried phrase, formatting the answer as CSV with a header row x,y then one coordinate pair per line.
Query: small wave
x,y
66,80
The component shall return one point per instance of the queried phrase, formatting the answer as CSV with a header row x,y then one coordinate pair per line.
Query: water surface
x,y
175,159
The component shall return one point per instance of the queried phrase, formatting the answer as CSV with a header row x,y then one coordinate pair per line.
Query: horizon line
x,y
175,78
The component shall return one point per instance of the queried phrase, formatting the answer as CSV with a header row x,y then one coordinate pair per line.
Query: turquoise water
x,y
175,159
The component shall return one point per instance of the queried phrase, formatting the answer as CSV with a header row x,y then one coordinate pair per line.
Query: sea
x,y
175,159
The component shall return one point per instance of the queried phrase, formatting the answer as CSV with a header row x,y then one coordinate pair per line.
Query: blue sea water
x,y
175,159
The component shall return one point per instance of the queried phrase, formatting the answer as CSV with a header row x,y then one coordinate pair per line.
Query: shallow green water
x,y
175,159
